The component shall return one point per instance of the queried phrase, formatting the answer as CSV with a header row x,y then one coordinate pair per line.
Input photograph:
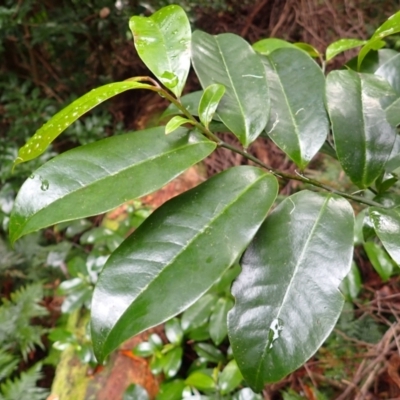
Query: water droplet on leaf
x,y
274,332
45,185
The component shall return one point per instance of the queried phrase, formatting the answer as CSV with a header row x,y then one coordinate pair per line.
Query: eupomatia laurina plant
x,y
293,258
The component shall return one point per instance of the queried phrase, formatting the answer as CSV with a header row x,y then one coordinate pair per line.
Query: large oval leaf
x,y
229,60
363,137
390,71
387,227
298,123
95,178
39,142
177,254
163,43
287,296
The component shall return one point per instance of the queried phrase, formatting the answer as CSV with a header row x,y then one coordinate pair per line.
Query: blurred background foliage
x,y
53,52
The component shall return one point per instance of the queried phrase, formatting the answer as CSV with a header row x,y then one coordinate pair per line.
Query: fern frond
x,y
8,362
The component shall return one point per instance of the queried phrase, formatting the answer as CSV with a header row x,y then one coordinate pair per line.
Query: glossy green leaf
x,y
390,71
171,390
229,60
200,380
310,50
354,104
199,334
144,349
39,142
393,113
352,283
230,378
209,102
379,259
135,392
175,122
387,227
100,176
342,45
173,361
209,352
299,122
163,43
196,315
246,394
185,231
173,331
218,320
267,46
288,301
372,61
389,27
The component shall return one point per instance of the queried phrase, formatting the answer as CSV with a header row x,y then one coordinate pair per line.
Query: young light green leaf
x,y
200,380
196,315
299,123
274,329
186,230
209,352
172,362
379,259
171,390
390,27
209,102
229,60
175,122
342,45
387,227
39,142
310,50
100,176
230,378
267,46
352,283
173,331
163,43
354,104
218,320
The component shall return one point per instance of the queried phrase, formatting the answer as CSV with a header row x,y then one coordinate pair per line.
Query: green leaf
x,y
230,378
246,394
389,27
209,102
173,331
200,380
39,142
135,392
198,314
144,349
354,104
267,46
342,45
390,71
175,122
171,390
209,352
206,228
100,176
298,123
229,60
287,301
352,283
218,320
393,113
387,227
163,43
307,48
379,260
173,361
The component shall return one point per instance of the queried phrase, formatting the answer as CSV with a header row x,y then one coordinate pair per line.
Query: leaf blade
x,y
227,59
97,177
272,329
179,233
209,102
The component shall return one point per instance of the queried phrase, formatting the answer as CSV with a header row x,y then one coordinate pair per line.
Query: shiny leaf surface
x,y
379,260
352,284
230,377
273,328
218,320
100,176
267,46
163,43
387,227
340,46
229,60
209,102
178,249
39,142
307,48
390,71
354,104
196,315
298,123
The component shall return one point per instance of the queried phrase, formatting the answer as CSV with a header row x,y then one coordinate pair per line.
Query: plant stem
x,y
278,174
